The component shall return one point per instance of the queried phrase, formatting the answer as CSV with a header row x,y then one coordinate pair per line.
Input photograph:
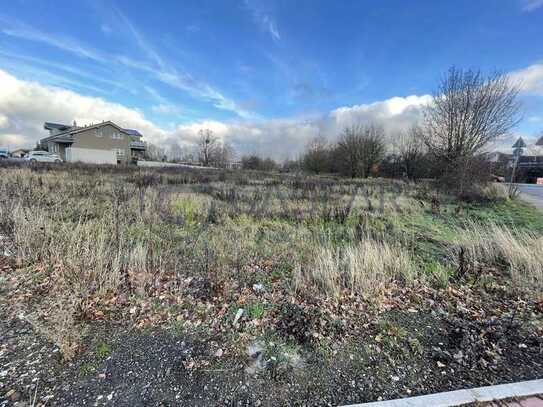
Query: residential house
x,y
20,152
105,142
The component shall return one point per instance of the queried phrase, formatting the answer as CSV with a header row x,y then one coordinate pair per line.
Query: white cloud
x,y
4,122
263,19
269,24
12,140
25,106
17,29
531,5
152,64
169,75
165,108
193,28
395,114
286,138
529,79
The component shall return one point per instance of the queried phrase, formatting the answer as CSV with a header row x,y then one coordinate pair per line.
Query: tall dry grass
x,y
364,268
519,251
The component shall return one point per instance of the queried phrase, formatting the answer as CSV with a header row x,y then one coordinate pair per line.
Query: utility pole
x,y
518,149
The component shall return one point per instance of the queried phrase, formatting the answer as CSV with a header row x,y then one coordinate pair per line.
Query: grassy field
x,y
316,290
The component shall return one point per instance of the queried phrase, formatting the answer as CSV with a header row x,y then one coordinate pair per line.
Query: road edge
x,y
465,396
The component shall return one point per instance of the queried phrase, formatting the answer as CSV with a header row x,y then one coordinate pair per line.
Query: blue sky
x,y
259,64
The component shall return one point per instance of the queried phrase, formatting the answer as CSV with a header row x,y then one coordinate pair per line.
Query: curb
x,y
459,397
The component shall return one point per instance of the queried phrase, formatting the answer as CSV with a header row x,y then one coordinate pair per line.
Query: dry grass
x,y
97,236
57,319
364,268
520,252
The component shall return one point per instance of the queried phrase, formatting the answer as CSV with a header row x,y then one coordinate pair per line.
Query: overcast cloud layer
x,y
25,106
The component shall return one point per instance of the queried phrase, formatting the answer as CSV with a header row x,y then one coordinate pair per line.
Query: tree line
x,y
469,111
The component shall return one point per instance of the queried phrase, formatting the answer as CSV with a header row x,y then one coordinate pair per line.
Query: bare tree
x,y
207,146
411,151
222,155
359,149
317,155
175,153
254,162
468,112
155,152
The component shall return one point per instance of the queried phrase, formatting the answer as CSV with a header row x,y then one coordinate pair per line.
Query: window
x,y
117,136
98,132
119,152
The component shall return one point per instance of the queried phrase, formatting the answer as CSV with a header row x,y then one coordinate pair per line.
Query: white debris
x,y
239,314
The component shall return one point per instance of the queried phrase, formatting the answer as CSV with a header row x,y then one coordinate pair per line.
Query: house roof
x,y
70,130
56,126
132,132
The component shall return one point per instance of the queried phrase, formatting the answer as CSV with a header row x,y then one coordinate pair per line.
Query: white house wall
x,y
91,156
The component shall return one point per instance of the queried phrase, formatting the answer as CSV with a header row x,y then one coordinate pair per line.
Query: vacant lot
x,y
128,287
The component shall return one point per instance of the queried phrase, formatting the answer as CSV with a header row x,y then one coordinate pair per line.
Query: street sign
x,y
519,143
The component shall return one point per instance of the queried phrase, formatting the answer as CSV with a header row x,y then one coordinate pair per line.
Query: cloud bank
x,y
25,106
530,79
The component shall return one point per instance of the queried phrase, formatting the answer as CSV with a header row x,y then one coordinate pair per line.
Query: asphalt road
x,y
532,193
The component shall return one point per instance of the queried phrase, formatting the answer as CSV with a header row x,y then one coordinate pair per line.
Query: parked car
x,y
4,154
42,156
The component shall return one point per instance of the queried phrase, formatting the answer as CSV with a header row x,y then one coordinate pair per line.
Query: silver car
x,y
42,156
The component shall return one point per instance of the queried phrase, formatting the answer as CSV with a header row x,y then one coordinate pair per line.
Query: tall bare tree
x,y
359,149
208,144
469,110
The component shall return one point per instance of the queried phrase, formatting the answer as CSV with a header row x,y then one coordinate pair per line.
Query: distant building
x,y
20,152
234,165
105,143
497,157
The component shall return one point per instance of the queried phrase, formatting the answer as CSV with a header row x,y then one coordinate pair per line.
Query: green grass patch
x,y
513,213
102,350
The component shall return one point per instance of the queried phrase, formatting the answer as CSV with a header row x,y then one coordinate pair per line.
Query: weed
x,y
87,368
102,350
255,310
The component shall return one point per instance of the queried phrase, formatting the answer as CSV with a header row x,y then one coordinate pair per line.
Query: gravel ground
x,y
159,368
138,369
